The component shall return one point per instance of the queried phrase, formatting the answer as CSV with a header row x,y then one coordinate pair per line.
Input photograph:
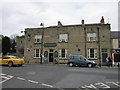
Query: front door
x,y
117,57
104,56
51,57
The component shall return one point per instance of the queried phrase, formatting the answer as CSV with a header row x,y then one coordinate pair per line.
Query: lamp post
x,y
41,50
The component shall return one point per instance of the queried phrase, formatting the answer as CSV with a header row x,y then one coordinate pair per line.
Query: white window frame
x,y
91,36
35,53
37,38
63,37
60,53
94,53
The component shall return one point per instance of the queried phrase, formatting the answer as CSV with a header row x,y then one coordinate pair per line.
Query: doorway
x,y
104,56
116,57
51,57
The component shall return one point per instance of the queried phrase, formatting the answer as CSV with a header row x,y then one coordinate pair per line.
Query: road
x,y
59,76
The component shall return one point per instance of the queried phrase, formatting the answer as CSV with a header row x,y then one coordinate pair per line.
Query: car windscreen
x,y
14,57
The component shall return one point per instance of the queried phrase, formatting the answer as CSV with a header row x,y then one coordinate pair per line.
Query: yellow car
x,y
11,60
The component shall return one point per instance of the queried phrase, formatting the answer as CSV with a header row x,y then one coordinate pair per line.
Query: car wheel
x,y
70,64
10,64
89,65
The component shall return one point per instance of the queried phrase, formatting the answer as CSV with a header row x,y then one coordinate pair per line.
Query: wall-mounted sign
x,y
46,45
50,45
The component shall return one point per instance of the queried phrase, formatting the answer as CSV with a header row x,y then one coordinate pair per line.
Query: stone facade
x,y
55,43
115,37
20,46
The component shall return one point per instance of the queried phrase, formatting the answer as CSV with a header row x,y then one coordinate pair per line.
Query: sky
x,y
16,15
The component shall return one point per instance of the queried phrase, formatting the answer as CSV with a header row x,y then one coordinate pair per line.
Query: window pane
x,y
63,52
91,36
37,53
38,38
63,37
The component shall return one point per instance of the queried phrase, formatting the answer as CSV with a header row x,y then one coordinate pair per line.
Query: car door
x,y
82,61
5,60
0,60
76,60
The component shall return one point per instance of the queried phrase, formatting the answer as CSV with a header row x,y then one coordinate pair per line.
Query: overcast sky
x,y
16,15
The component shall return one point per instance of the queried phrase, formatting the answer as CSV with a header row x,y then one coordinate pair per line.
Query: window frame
x,y
65,53
91,36
63,37
37,38
90,53
36,53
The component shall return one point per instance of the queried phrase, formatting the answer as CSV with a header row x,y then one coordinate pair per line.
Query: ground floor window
x,y
63,53
92,53
36,53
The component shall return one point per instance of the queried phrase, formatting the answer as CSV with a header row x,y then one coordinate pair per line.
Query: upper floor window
x,y
91,36
63,37
38,38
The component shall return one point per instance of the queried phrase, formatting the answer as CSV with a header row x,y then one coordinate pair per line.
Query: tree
x,y
5,45
13,43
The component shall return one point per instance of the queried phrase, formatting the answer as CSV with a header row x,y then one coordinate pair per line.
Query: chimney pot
x,y
83,21
59,23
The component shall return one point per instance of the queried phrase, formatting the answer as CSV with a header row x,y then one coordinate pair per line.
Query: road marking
x,y
20,78
101,85
2,74
6,77
9,76
33,81
47,85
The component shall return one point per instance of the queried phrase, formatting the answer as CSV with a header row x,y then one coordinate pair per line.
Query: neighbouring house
x,y
1,36
115,37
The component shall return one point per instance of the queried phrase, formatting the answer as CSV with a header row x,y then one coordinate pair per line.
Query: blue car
x,y
79,60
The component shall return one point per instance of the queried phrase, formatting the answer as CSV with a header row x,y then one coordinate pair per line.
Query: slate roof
x,y
115,34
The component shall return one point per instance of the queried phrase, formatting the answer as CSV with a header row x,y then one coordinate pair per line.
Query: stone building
x,y
115,37
55,43
20,46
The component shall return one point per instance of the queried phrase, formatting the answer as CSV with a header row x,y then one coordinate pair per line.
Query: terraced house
x,y
54,44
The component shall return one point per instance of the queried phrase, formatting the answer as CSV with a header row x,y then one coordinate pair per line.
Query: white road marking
x,y
2,74
33,81
47,85
20,78
6,77
10,76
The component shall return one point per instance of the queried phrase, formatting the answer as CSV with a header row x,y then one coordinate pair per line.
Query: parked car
x,y
79,60
11,60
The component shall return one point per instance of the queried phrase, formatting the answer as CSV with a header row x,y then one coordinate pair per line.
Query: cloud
x,y
17,16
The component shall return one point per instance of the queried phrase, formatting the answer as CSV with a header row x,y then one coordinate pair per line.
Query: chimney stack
x,y
102,20
59,23
83,21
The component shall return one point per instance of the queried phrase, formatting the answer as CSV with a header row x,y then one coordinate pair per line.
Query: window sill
x,y
91,41
37,43
62,42
62,58
36,58
92,58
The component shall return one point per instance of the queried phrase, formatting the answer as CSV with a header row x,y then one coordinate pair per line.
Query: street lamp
x,y
42,24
